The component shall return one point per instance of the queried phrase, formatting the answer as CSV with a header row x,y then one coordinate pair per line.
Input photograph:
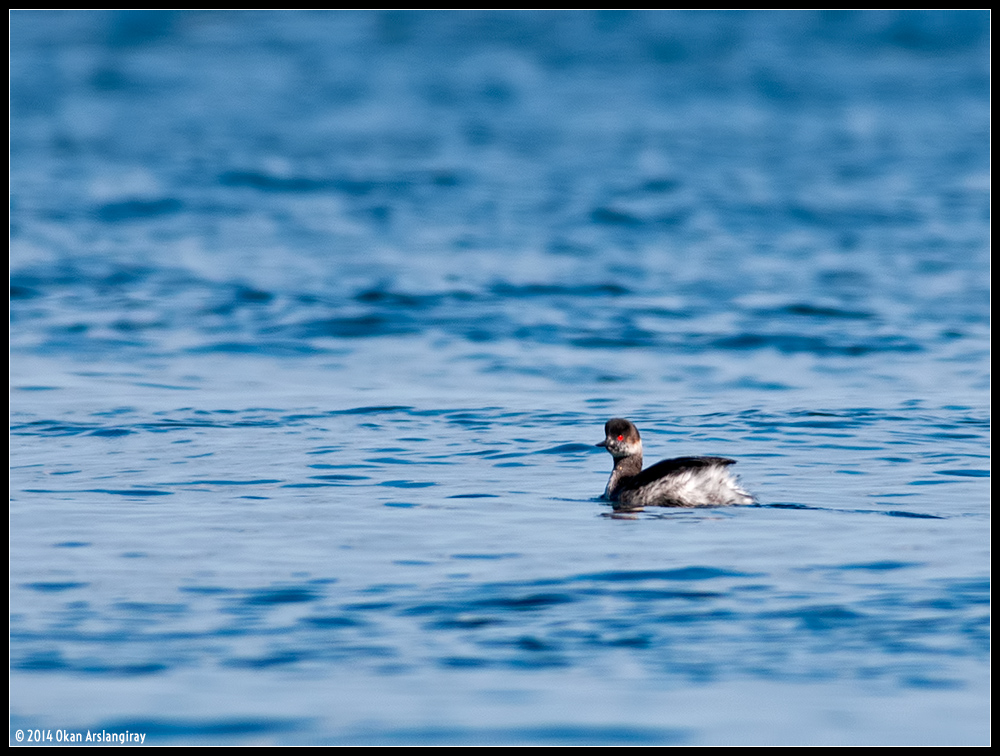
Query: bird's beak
x,y
603,443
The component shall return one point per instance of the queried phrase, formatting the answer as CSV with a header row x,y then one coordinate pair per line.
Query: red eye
x,y
620,438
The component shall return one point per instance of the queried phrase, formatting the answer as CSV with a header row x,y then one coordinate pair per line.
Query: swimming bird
x,y
680,482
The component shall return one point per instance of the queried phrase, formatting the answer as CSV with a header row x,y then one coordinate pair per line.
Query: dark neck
x,y
625,468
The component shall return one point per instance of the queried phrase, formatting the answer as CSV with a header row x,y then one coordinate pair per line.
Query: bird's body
x,y
680,482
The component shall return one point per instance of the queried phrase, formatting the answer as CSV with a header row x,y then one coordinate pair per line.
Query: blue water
x,y
316,318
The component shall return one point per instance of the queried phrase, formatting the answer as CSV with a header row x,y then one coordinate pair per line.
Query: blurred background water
x,y
317,315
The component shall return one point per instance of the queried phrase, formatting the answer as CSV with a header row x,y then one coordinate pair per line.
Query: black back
x,y
674,466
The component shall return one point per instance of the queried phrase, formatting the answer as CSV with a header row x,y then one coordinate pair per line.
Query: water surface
x,y
317,316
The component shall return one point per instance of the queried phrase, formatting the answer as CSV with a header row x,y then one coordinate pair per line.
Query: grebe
x,y
681,482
